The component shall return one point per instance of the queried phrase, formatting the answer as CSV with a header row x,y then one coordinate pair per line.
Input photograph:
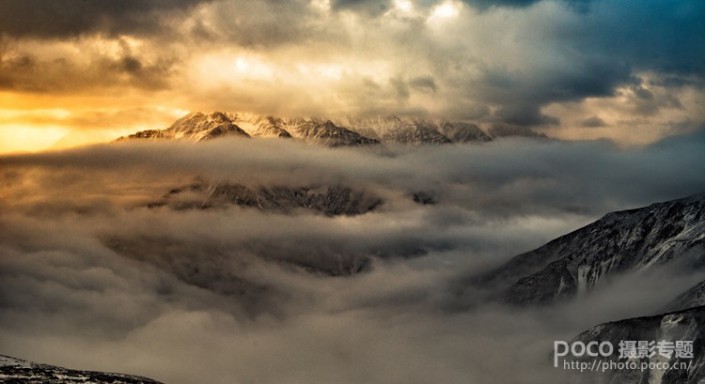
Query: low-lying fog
x,y
92,278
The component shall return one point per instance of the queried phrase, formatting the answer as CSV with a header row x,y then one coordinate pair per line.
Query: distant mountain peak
x,y
333,132
195,126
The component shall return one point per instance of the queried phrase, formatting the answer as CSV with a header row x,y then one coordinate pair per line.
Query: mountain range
x,y
668,234
200,126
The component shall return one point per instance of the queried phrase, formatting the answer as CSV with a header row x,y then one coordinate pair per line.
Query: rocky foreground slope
x,y
624,241
667,233
686,325
17,371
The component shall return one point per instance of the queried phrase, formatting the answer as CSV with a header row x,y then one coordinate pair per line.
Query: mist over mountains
x,y
351,191
627,241
333,133
278,261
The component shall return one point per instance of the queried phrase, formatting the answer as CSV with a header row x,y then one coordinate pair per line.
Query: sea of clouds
x,y
93,278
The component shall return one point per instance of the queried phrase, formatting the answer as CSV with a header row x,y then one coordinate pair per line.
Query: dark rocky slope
x,y
17,371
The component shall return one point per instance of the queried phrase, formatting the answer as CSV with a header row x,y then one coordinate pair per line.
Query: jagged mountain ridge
x,y
195,127
623,241
327,133
334,133
262,126
16,371
460,132
393,129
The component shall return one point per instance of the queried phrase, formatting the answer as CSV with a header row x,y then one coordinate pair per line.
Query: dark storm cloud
x,y
662,36
522,94
259,24
525,115
26,72
542,52
500,3
571,54
613,45
593,122
369,7
669,44
488,4
67,18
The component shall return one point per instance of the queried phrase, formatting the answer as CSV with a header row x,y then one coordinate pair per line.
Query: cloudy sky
x,y
73,72
92,277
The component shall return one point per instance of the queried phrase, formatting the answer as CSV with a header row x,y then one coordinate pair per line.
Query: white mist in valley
x,y
95,275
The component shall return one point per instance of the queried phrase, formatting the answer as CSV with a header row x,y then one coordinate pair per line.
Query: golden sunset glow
x,y
477,62
352,191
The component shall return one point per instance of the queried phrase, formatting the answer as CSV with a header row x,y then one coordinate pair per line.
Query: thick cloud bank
x,y
93,278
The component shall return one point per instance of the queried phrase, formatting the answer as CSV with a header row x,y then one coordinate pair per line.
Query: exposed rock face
x,y
687,325
196,127
271,127
262,126
463,132
393,129
18,371
333,133
148,134
331,200
414,132
327,133
623,241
